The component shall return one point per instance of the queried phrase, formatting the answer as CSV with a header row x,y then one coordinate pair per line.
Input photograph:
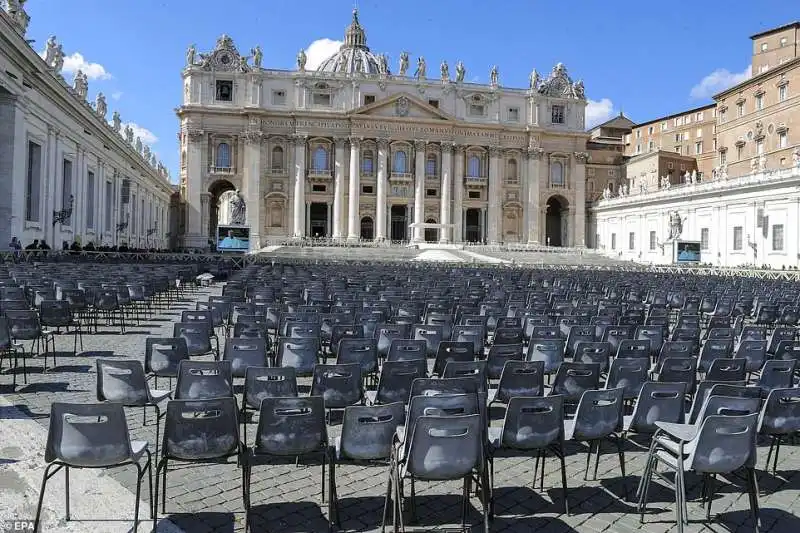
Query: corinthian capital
x,y
300,140
355,142
195,135
581,157
495,151
383,143
252,137
460,149
535,153
339,142
420,145
447,148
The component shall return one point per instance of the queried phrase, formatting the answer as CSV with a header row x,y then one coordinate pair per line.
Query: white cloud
x,y
116,95
718,81
598,111
76,61
148,137
319,51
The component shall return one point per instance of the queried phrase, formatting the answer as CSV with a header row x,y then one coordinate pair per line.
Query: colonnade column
x,y
494,195
252,185
380,207
299,208
338,187
353,220
444,217
419,189
579,179
458,195
534,157
194,184
205,206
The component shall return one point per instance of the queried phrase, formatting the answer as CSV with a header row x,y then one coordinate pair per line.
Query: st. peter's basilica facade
x,y
354,151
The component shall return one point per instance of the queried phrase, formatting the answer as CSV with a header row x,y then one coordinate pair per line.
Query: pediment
x,y
402,105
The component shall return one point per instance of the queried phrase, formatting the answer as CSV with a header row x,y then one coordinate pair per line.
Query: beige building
x,y
689,133
758,121
774,47
606,147
352,151
652,170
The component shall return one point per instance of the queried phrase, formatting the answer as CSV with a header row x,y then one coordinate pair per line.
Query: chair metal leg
x,y
47,475
596,458
588,461
708,489
621,452
779,438
66,489
753,490
138,494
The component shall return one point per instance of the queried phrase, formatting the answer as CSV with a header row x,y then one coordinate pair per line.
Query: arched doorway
x,y
318,218
431,234
217,189
556,221
367,229
399,228
473,225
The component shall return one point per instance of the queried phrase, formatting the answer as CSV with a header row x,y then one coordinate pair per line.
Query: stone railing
x,y
678,191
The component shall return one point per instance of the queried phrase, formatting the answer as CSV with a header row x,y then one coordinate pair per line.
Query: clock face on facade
x,y
224,59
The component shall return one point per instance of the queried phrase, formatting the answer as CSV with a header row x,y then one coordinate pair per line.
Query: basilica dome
x,y
354,57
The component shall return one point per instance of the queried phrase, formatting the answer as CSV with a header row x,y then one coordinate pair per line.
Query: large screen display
x,y
687,252
233,238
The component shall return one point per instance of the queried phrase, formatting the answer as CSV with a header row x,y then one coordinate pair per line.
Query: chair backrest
x,y
203,315
438,386
361,351
754,351
780,333
787,350
300,354
658,402
55,313
245,352
24,325
630,374
88,434
781,412
633,348
201,380
457,442
578,333
777,374
724,369
339,385
655,334
163,355
724,444
723,404
212,422
386,333
368,431
753,333
499,354
679,370
573,379
264,382
394,383
714,349
599,414
546,332
476,370
431,334
449,404
291,426
507,335
593,352
122,381
520,378
452,351
197,335
5,334
532,423
550,351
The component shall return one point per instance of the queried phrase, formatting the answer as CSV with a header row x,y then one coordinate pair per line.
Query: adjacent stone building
x,y
67,173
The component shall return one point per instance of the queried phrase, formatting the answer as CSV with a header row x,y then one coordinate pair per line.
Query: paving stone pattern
x,y
286,499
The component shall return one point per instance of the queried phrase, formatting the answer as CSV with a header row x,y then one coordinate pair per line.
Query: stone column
x,y
338,187
579,181
444,217
419,189
495,193
458,195
380,206
532,221
194,184
353,220
252,186
299,208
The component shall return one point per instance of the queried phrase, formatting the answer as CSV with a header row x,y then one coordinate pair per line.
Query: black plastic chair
x,y
338,385
519,378
263,382
395,381
532,426
780,418
288,429
244,353
198,337
163,356
25,326
213,422
89,435
203,380
300,354
58,314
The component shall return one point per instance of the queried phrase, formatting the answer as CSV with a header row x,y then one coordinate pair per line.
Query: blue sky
x,y
644,58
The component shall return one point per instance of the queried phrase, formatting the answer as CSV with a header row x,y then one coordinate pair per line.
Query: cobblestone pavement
x,y
287,498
